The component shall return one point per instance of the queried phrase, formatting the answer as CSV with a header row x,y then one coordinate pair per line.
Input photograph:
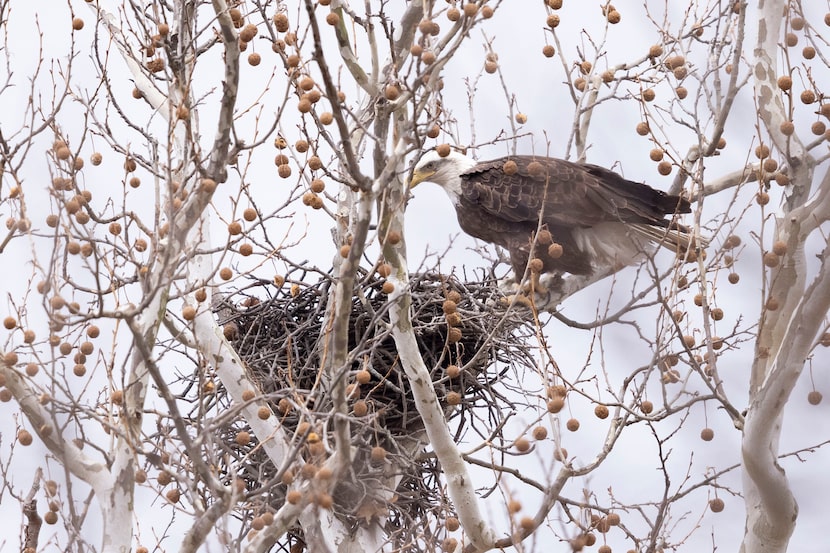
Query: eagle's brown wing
x,y
567,194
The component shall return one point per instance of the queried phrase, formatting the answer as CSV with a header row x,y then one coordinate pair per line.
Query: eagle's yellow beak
x,y
419,176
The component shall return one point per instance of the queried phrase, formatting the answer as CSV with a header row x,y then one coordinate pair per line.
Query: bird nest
x,y
466,339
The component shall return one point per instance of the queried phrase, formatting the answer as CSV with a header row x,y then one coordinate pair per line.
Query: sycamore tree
x,y
225,335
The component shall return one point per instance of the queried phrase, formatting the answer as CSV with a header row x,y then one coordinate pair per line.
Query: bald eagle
x,y
571,217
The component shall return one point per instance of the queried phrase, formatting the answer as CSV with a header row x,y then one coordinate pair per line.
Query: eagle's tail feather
x,y
677,238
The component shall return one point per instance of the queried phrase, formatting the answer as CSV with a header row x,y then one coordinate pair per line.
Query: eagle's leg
x,y
536,286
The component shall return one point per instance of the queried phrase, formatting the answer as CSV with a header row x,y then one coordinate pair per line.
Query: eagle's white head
x,y
443,171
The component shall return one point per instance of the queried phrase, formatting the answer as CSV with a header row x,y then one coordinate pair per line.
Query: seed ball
x,y
762,198
332,18
572,425
555,405
814,397
540,433
656,154
522,444
10,358
557,390
393,237
779,248
601,411
707,434
785,82
716,505
452,524
655,51
363,376
257,523
63,153
77,23
453,398
646,407
384,270
470,9
808,97
454,335
188,313
387,288
254,59
304,105
449,306
453,295
453,319
675,62
771,304
225,273
378,454
246,249
642,128
490,67
579,84
24,437
818,128
284,171
453,14
771,259
555,250
521,118
315,163
613,17
234,228
453,371
548,51
281,22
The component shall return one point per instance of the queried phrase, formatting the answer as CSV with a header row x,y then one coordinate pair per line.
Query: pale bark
x,y
786,335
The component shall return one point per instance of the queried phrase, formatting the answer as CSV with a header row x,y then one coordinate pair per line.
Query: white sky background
x,y
517,35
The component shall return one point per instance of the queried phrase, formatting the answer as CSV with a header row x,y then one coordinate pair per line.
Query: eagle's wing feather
x,y
576,195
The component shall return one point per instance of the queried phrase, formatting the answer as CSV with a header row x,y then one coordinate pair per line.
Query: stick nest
x,y
468,342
